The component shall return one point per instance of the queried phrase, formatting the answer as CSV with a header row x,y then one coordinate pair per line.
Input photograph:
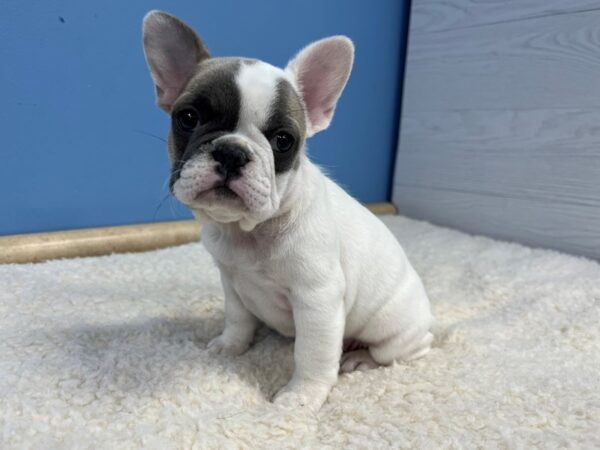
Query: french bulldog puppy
x,y
294,250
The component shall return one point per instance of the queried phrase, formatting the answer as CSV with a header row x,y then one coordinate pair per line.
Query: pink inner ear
x,y
167,96
173,70
321,71
172,61
172,51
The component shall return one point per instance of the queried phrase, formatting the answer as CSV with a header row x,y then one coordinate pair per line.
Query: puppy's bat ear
x,y
321,71
172,52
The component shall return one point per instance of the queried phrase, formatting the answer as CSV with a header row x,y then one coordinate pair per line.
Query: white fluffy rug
x,y
110,353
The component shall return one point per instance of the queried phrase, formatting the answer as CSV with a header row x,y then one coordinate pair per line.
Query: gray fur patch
x,y
287,114
214,94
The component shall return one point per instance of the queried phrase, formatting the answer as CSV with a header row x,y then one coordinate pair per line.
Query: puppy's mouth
x,y
220,190
224,191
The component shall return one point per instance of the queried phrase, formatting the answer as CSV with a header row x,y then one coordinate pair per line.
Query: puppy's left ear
x,y
172,51
321,71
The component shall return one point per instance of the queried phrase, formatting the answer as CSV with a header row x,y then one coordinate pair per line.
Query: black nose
x,y
231,159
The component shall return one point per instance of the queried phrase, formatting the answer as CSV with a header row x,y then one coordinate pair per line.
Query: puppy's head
x,y
239,125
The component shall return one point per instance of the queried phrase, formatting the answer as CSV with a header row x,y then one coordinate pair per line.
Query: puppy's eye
x,y
282,142
187,120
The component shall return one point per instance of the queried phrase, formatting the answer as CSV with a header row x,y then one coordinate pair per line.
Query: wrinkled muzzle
x,y
229,178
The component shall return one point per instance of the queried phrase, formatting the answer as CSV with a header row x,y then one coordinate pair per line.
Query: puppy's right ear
x,y
172,52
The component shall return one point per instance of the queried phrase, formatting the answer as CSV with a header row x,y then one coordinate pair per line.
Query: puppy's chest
x,y
255,272
265,295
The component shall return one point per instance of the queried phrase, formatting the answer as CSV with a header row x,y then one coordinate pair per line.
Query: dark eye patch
x,y
206,110
287,116
214,95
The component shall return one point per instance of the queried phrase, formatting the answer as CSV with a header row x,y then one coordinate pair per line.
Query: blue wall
x,y
78,115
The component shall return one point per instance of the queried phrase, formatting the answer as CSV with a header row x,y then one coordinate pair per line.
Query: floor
x,y
109,352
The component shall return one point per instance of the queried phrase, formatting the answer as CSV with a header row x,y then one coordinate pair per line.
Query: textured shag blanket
x,y
109,353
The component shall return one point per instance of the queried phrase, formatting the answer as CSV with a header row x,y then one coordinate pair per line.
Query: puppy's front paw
x,y
302,394
221,345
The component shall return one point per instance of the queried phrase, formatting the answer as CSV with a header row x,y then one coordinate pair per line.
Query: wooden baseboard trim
x,y
36,247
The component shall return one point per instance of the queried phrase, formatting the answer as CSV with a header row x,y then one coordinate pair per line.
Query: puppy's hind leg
x,y
402,347
356,356
357,360
400,330
385,352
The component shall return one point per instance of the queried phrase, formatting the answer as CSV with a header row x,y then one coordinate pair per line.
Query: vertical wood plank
x,y
500,127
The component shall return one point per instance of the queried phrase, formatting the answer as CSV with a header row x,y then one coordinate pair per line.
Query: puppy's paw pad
x,y
222,346
357,360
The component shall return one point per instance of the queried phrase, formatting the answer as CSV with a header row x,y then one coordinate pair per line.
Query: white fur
x,y
257,82
329,271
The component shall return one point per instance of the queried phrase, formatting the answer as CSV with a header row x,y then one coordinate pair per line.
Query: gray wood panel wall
x,y
500,124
